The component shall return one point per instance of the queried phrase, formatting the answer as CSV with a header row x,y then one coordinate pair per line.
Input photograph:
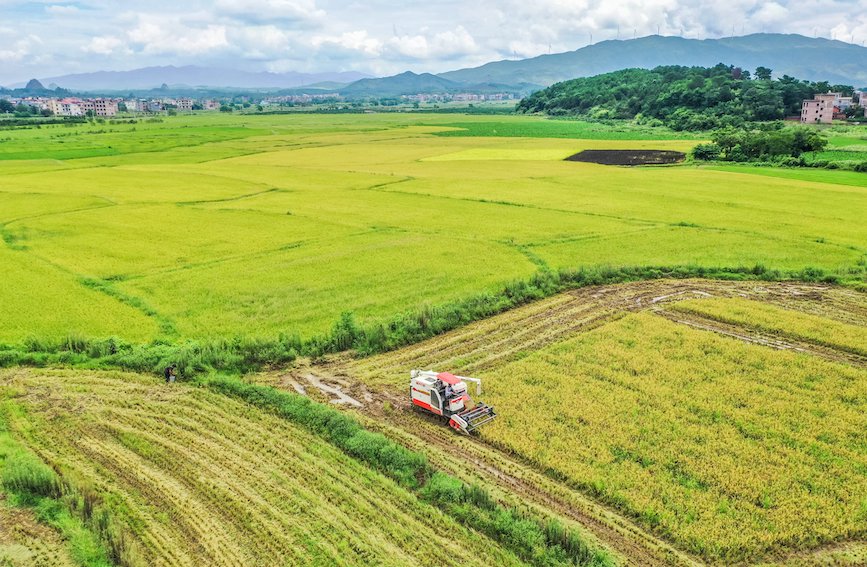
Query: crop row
x,y
200,478
769,318
730,449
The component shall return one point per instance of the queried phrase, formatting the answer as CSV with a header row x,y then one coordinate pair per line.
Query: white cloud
x,y
19,50
302,12
164,36
104,45
62,10
380,36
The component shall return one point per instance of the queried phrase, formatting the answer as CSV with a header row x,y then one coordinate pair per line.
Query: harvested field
x,y
197,478
26,543
629,157
609,364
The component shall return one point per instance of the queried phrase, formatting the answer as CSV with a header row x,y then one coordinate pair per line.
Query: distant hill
x,y
192,76
402,84
34,85
814,59
409,83
682,98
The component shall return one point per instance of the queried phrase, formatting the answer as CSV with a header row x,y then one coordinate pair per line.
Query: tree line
x,y
682,98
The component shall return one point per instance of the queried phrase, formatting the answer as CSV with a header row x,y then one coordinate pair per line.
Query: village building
x,y
66,107
819,110
862,100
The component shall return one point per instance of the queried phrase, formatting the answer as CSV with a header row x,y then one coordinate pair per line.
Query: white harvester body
x,y
444,394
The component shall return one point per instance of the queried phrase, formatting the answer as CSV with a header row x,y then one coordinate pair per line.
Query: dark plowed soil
x,y
629,157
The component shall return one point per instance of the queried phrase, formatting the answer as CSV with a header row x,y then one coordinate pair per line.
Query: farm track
x,y
763,338
490,344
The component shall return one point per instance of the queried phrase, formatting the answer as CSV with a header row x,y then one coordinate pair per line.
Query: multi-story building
x,y
819,110
184,104
104,106
844,102
66,107
862,100
137,105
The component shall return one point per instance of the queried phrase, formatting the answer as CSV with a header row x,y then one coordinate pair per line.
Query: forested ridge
x,y
682,98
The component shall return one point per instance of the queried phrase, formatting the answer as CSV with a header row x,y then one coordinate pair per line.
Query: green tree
x,y
763,73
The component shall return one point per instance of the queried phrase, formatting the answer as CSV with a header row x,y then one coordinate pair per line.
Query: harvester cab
x,y
445,395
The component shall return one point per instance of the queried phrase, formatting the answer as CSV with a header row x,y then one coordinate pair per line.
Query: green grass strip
x,y
241,354
533,540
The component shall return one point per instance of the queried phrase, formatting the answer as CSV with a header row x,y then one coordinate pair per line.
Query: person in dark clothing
x,y
171,373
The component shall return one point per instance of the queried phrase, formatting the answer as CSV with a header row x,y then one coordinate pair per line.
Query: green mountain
x,y
814,59
410,83
403,84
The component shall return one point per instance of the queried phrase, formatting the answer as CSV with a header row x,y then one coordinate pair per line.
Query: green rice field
x,y
251,226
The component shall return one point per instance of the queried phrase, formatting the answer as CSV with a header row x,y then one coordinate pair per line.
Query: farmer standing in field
x,y
171,373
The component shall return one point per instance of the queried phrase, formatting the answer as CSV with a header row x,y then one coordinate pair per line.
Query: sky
x,y
45,38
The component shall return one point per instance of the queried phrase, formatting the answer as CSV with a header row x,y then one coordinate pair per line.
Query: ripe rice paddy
x,y
695,429
733,427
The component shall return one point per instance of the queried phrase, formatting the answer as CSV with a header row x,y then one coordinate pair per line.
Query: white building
x,y
66,107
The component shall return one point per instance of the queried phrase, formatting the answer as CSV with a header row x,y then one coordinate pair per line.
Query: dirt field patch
x,y
628,157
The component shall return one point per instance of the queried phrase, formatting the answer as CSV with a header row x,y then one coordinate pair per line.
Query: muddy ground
x,y
629,157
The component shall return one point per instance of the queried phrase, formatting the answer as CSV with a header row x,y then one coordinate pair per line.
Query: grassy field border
x,y
540,542
241,355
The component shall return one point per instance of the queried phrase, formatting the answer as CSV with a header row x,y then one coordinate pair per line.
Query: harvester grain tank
x,y
445,395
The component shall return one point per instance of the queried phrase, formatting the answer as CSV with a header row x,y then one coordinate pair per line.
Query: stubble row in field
x,y
194,477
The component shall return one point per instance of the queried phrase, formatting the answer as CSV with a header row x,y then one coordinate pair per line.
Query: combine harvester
x,y
445,395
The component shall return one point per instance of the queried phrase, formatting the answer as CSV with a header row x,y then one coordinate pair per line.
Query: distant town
x,y
107,107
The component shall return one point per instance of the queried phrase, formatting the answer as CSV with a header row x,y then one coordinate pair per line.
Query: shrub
x,y
706,152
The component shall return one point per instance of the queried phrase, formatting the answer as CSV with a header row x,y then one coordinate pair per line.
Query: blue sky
x,y
49,38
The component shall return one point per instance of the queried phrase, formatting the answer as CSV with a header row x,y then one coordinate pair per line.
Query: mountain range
x,y
194,76
815,59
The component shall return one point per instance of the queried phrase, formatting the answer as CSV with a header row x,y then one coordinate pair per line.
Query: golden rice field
x,y
676,422
216,226
835,334
196,478
733,451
